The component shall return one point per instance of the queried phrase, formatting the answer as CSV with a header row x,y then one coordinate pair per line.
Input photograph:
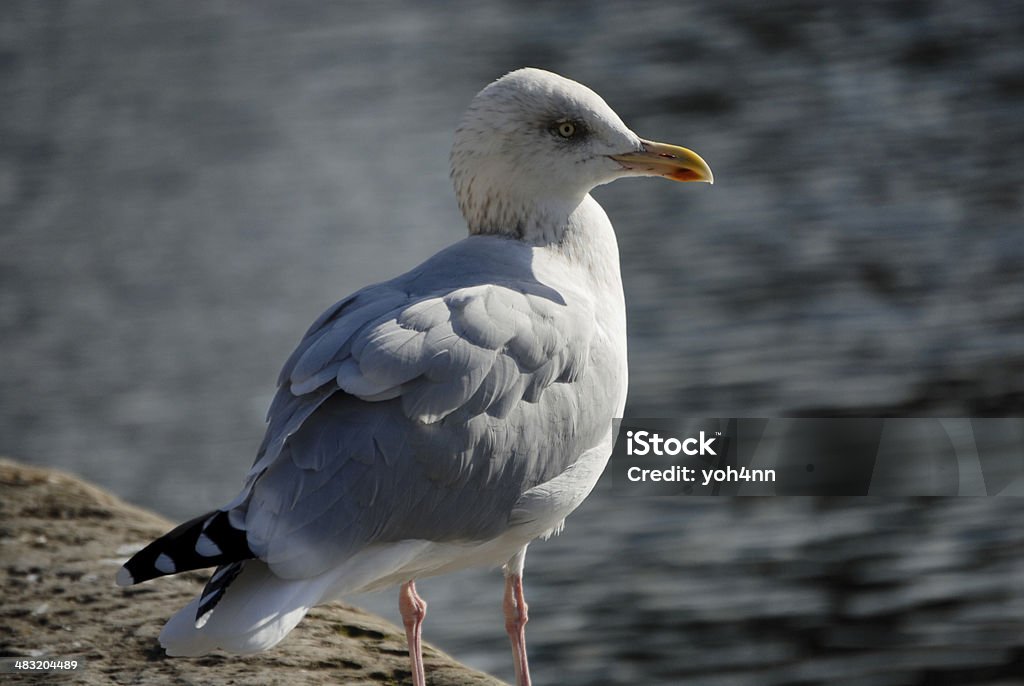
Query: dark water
x,y
185,186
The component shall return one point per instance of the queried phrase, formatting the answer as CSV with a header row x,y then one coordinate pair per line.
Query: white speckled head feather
x,y
530,146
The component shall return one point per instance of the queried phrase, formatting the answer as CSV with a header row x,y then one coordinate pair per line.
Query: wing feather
x,y
501,380
330,342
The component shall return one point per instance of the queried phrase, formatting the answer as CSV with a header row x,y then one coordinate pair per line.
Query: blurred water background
x,y
185,186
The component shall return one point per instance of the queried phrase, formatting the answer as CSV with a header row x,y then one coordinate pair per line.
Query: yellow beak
x,y
670,161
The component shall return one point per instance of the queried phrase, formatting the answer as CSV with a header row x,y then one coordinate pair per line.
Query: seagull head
x,y
532,144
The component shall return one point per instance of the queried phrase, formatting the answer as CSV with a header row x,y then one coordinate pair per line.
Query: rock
x,y
62,541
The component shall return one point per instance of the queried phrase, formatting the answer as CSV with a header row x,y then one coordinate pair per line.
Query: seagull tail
x,y
206,541
255,610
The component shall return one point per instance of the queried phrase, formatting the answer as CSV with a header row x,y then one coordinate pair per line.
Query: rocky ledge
x,y
61,542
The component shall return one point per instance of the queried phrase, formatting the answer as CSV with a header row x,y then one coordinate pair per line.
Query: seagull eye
x,y
566,129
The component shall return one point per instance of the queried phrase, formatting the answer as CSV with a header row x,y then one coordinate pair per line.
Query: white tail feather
x,y
256,613
259,608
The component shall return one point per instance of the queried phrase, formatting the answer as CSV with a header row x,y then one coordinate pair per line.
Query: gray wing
x,y
423,408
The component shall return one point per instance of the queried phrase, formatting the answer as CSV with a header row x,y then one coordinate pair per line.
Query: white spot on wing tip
x,y
203,619
165,564
206,547
124,577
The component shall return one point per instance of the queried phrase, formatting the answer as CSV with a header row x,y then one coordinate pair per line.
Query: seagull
x,y
450,416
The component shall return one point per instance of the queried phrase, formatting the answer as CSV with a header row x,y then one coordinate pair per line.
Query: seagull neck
x,y
588,240
546,223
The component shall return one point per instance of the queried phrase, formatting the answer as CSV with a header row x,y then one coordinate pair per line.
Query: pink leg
x,y
413,609
515,624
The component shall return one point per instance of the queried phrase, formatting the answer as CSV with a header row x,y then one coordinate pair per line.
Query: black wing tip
x,y
206,541
214,591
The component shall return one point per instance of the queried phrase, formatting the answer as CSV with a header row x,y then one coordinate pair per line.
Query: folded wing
x,y
417,409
